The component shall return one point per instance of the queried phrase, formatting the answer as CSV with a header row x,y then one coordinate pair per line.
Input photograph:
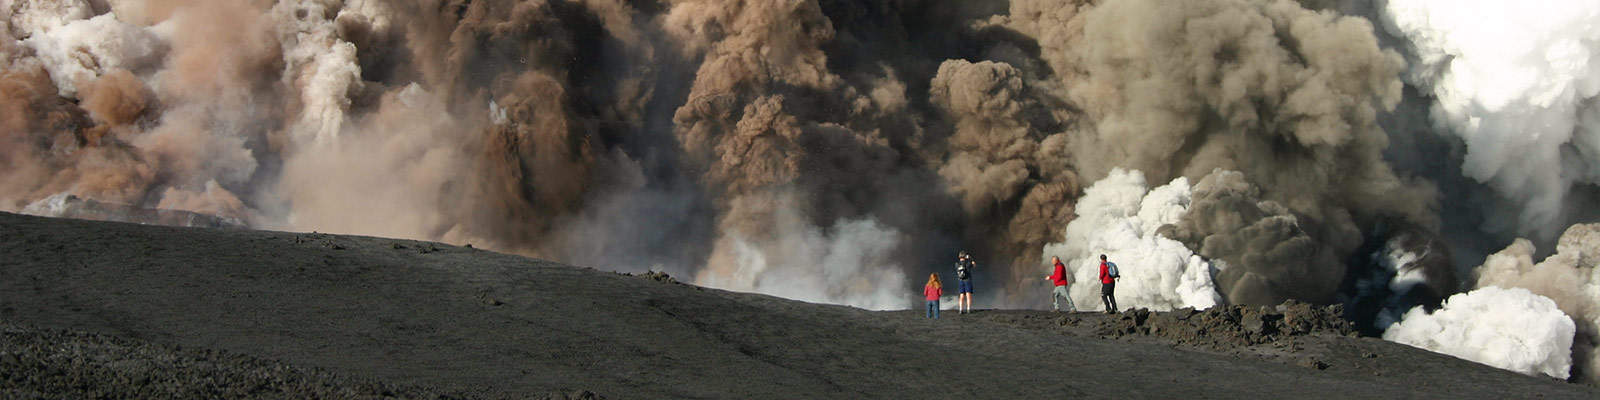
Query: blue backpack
x,y
1111,268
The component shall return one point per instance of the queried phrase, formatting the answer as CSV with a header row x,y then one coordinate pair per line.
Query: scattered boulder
x,y
659,276
488,299
574,395
1314,364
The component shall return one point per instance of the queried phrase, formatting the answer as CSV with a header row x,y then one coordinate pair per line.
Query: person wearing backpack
x,y
931,292
1108,284
964,267
1062,280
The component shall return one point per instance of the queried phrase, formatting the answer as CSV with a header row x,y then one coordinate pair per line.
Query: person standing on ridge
x,y
1108,284
1061,280
964,267
931,292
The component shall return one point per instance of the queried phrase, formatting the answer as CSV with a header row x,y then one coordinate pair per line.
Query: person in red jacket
x,y
1108,284
1061,279
931,292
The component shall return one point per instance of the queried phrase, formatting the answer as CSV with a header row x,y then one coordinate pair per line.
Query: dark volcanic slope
x,y
465,320
56,364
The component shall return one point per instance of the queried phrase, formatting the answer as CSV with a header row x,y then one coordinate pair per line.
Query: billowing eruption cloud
x,y
824,150
1519,89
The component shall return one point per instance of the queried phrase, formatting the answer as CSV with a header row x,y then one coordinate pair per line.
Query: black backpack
x,y
962,271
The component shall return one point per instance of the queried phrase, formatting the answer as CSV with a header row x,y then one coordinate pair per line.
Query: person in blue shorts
x,y
964,267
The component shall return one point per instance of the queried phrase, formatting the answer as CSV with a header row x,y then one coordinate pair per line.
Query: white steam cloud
x,y
1511,329
1118,216
40,16
1518,83
1570,277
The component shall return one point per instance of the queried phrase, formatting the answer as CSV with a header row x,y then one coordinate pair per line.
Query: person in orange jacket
x,y
932,291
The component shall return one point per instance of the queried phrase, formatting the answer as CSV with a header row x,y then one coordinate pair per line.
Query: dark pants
x,y
1108,294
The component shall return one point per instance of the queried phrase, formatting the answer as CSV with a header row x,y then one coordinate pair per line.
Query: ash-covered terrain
x,y
96,309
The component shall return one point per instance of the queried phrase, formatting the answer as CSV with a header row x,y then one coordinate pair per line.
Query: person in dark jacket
x,y
1061,280
964,269
1108,284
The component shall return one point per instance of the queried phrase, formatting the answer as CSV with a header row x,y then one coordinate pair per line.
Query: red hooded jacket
x,y
1105,274
932,293
1060,276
